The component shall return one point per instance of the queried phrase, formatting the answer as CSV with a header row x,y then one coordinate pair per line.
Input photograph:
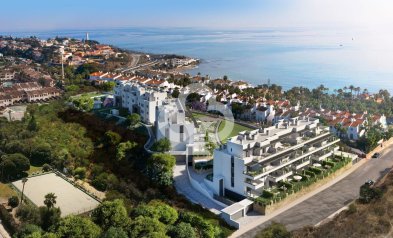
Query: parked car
x,y
376,155
369,182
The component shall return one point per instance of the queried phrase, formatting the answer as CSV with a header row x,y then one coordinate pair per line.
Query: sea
x,y
308,57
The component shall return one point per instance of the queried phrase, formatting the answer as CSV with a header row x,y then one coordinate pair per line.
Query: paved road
x,y
325,203
184,187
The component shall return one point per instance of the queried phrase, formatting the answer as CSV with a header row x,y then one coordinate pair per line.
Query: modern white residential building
x,y
171,123
259,159
139,99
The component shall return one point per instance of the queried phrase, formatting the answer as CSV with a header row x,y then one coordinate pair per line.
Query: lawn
x,y
223,132
34,169
198,115
6,191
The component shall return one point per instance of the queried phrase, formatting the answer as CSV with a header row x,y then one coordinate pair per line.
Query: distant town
x,y
89,128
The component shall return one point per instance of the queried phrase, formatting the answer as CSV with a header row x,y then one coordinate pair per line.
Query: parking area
x,y
70,199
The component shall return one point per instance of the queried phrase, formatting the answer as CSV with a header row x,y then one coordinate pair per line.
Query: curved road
x,y
320,206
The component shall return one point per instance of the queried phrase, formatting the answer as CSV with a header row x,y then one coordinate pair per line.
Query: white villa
x,y
259,159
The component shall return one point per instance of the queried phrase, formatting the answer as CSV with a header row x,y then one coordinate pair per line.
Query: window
x,y
232,171
181,129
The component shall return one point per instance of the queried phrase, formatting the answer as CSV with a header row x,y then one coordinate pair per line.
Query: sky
x,y
19,15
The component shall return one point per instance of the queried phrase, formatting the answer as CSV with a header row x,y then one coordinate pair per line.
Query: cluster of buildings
x,y
166,114
100,77
25,92
348,125
70,51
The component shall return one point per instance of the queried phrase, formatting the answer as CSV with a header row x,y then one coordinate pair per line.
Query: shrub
x,y
46,167
7,220
80,172
367,193
315,170
329,163
13,201
267,194
275,230
285,184
309,173
352,208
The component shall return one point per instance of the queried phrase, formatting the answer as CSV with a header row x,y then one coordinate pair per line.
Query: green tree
x,y
80,172
176,93
160,168
28,213
111,138
110,214
49,217
133,119
115,232
124,148
275,230
32,126
203,227
162,145
29,230
13,201
50,200
158,210
108,86
146,227
182,230
41,153
76,226
13,165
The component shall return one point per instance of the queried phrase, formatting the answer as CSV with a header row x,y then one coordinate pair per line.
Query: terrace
x,y
297,181
317,150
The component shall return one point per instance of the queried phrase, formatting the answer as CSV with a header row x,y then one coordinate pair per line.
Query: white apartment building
x,y
7,75
139,99
259,159
171,123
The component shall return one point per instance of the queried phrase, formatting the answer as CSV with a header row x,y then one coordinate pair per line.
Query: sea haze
x,y
288,57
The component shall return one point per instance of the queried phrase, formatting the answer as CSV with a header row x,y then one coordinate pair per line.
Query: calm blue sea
x,y
288,57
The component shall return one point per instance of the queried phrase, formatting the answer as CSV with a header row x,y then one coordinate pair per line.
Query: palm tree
x,y
24,180
50,200
357,90
351,87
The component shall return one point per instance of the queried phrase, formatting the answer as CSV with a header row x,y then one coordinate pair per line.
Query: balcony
x,y
285,147
300,154
254,184
278,176
301,164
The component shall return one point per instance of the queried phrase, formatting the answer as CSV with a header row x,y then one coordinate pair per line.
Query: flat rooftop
x,y
70,199
270,133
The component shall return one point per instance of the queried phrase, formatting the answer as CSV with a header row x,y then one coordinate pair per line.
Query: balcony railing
x,y
277,178
264,171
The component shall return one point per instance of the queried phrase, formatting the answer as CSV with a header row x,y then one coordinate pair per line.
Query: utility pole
x,y
62,65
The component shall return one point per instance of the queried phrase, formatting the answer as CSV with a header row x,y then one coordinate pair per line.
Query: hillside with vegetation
x,y
140,198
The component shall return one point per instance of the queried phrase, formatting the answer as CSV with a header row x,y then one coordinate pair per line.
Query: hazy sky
x,y
19,15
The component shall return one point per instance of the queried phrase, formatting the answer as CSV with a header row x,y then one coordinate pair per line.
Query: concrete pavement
x,y
183,186
3,232
316,208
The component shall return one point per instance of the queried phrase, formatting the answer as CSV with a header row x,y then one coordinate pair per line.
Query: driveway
x,y
183,186
320,206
